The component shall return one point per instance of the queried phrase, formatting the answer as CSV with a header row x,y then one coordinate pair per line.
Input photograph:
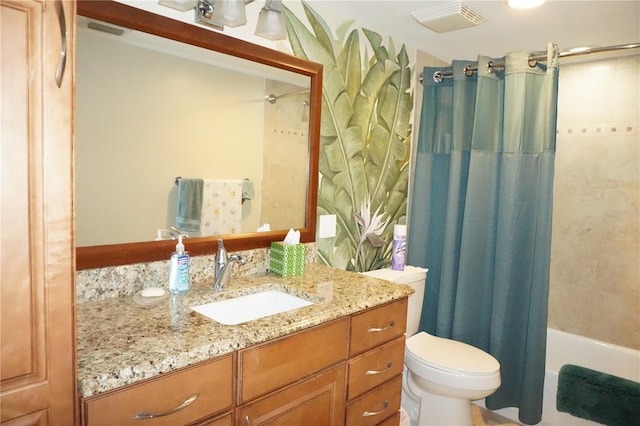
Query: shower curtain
x,y
480,216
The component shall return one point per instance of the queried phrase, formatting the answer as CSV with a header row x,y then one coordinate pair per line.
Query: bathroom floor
x,y
483,417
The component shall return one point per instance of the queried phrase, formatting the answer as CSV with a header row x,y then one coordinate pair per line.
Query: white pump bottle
x,y
179,280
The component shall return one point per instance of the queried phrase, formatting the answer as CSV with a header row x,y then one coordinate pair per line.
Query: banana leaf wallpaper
x,y
365,139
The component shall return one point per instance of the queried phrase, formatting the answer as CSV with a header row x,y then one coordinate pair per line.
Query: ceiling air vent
x,y
448,17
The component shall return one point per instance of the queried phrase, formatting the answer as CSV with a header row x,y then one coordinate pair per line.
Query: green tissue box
x,y
287,259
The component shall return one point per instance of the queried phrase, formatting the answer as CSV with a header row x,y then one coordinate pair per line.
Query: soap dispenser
x,y
179,269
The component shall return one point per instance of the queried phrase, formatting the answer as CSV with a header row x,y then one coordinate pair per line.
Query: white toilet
x,y
441,376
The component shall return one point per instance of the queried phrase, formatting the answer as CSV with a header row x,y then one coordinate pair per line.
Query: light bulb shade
x,y
181,5
229,12
271,24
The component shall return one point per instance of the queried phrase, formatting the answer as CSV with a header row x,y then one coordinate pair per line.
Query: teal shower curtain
x,y
480,216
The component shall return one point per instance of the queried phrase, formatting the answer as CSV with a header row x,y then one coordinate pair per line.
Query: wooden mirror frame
x,y
130,17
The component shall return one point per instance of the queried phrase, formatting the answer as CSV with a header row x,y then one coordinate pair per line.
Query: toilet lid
x,y
409,275
450,355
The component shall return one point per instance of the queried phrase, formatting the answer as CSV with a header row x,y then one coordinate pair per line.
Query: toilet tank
x,y
413,276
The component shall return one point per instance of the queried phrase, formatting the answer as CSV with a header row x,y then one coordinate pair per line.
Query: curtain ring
x,y
532,62
490,67
438,77
468,70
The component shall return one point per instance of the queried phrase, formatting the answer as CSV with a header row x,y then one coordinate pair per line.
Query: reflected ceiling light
x,y
231,13
181,5
271,21
524,4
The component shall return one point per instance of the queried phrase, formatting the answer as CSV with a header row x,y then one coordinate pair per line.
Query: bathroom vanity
x,y
338,361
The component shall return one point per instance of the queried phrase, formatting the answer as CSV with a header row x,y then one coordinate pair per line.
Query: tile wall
x,y
595,257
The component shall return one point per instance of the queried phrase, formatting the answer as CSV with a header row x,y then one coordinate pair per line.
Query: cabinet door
x,y
36,248
317,401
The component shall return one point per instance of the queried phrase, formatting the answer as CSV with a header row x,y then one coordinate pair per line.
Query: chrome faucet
x,y
223,266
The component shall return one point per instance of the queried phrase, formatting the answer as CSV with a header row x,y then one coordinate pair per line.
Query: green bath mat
x,y
598,397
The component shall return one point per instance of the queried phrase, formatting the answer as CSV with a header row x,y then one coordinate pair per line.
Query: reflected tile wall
x,y
595,253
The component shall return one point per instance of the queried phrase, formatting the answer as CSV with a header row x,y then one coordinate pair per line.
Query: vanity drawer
x,y
278,363
211,381
375,367
377,326
376,405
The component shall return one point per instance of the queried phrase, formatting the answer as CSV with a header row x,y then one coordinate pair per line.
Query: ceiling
x,y
567,23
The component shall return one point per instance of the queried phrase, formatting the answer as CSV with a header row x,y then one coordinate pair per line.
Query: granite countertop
x,y
121,342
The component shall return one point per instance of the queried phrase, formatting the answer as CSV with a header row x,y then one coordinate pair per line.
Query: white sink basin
x,y
250,307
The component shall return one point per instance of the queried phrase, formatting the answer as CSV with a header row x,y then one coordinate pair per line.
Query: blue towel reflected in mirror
x,y
189,210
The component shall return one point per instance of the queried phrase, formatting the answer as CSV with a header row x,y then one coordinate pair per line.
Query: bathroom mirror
x,y
246,155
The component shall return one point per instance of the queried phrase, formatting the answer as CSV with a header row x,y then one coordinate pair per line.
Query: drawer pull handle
x,y
375,413
246,421
375,329
371,372
185,404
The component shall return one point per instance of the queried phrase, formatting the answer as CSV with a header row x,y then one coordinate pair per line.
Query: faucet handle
x,y
238,258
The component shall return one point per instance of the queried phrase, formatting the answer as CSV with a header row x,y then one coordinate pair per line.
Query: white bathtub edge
x,y
566,348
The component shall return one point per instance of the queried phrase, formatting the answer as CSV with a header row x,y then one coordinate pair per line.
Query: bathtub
x,y
566,348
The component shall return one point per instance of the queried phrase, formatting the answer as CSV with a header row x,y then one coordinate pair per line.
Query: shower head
x,y
274,98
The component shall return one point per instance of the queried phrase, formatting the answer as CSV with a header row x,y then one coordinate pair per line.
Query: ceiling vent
x,y
448,17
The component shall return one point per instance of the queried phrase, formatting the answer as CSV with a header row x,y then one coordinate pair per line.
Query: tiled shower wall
x,y
595,254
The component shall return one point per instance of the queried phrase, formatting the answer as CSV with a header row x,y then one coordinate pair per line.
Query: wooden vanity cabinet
x,y
344,372
374,378
165,400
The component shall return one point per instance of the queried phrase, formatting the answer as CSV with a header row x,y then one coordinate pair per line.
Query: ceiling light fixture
x,y
271,21
181,5
232,13
524,4
229,12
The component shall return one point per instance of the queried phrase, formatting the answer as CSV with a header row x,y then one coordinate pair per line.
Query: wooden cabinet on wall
x,y
36,221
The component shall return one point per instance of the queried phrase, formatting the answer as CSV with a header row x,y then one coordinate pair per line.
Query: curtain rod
x,y
438,76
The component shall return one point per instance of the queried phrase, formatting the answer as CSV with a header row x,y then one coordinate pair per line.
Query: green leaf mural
x,y
365,137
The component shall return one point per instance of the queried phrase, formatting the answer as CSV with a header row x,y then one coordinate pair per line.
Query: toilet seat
x,y
450,356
